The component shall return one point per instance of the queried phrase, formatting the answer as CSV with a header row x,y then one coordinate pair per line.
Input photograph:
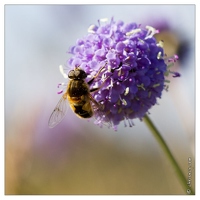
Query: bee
x,y
78,94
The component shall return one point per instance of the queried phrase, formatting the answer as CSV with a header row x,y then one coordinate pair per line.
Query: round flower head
x,y
133,68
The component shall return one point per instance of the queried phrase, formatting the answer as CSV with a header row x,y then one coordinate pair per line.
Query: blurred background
x,y
77,157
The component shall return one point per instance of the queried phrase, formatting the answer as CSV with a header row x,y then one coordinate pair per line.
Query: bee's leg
x,y
96,89
94,101
90,81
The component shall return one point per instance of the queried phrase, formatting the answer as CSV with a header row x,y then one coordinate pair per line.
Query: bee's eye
x,y
71,74
80,74
83,74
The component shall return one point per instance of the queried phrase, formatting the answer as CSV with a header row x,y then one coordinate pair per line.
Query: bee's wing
x,y
59,112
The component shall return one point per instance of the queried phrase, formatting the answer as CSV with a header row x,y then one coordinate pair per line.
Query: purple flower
x,y
135,69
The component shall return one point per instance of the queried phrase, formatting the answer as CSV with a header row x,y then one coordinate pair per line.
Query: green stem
x,y
168,153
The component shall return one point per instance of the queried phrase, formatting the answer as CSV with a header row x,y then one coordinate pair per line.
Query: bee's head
x,y
77,74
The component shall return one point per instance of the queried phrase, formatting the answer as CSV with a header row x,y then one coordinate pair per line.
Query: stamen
x,y
62,71
109,68
126,91
123,101
119,73
156,85
126,59
173,59
59,92
159,55
167,81
142,41
160,44
91,29
149,94
151,32
170,65
133,32
166,87
120,110
59,85
141,86
130,122
111,83
103,20
125,125
175,74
